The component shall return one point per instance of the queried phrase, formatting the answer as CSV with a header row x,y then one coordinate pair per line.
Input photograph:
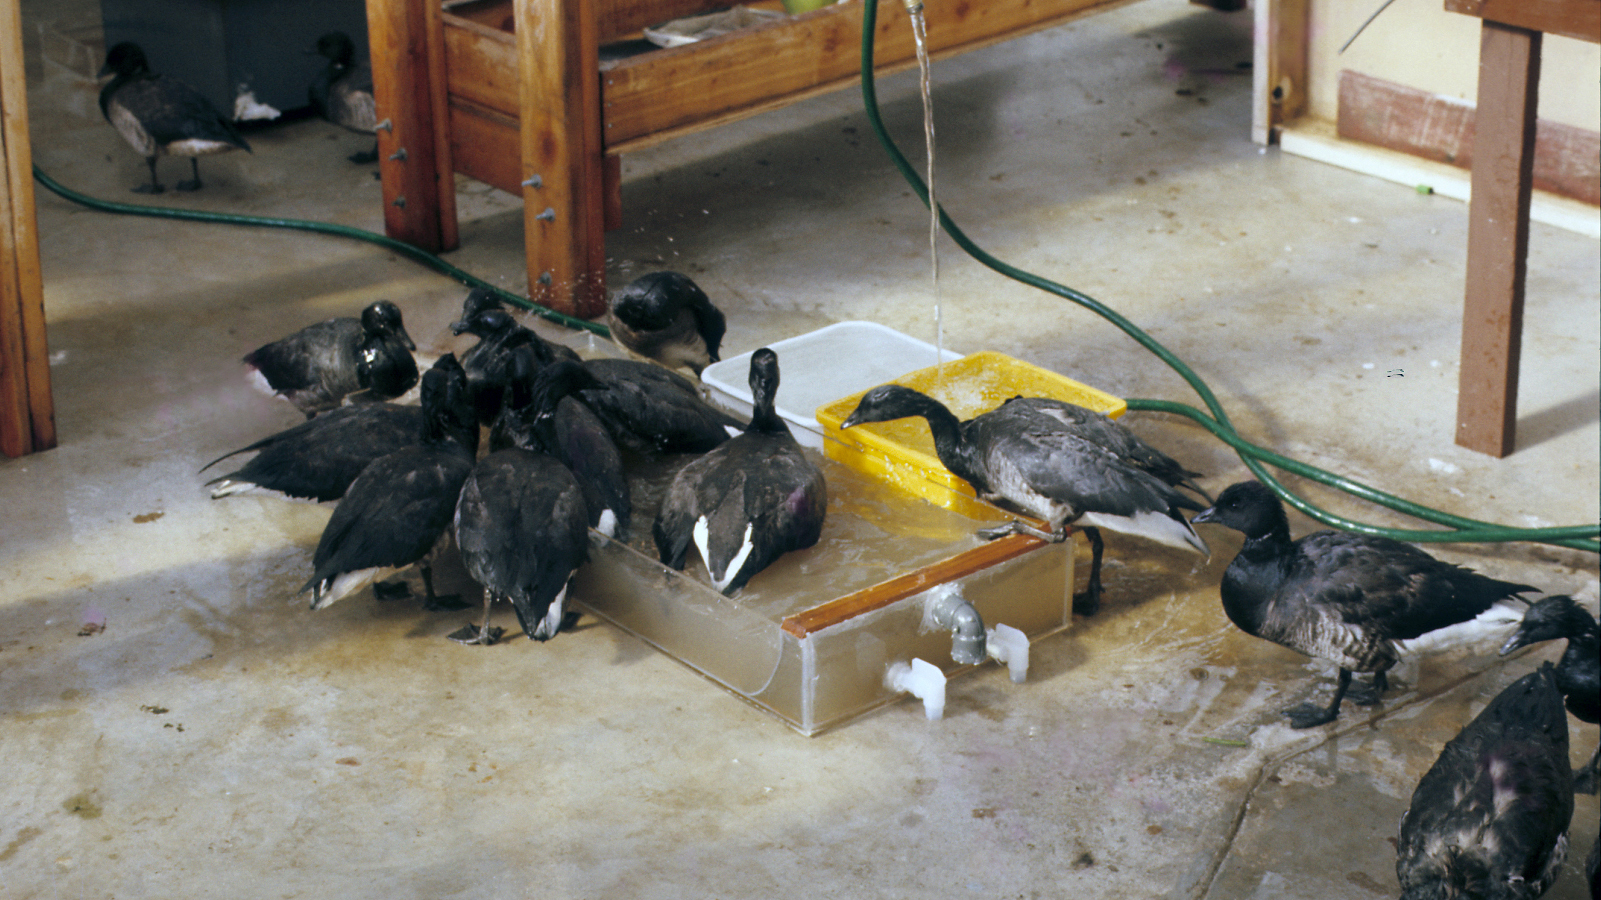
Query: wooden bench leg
x,y
1498,238
27,411
408,80
563,163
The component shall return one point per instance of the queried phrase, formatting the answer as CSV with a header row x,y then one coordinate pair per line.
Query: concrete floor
x,y
218,739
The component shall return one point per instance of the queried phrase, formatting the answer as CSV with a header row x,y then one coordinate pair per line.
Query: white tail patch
x,y
551,623
1153,525
1489,629
702,536
607,524
347,583
259,382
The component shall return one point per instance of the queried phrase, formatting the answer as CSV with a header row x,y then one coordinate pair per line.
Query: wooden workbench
x,y
515,94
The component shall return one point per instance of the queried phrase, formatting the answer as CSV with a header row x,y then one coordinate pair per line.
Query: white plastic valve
x,y
922,680
1009,647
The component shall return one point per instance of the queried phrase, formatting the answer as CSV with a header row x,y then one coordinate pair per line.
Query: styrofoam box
x,y
820,367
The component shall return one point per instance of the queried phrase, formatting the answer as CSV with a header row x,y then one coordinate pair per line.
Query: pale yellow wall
x,y
1417,43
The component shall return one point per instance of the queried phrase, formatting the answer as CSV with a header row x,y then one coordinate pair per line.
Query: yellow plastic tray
x,y
902,452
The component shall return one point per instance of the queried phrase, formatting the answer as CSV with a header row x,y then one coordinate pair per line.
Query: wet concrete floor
x,y
216,737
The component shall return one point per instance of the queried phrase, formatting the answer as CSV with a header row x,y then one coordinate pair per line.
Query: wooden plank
x,y
562,180
1567,159
1498,239
443,166
900,587
1280,70
27,410
407,152
485,144
1580,19
678,89
481,65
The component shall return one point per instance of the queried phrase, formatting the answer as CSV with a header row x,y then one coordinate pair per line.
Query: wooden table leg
x,y
413,154
27,411
1498,238
563,166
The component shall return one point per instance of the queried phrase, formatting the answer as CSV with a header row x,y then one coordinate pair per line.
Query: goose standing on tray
x,y
317,367
748,501
523,528
666,317
320,457
1352,599
400,507
342,91
542,413
158,115
1490,817
1031,455
1578,672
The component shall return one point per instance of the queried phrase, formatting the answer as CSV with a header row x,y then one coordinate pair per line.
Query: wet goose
x,y
1099,428
1034,458
1352,599
666,317
158,115
320,457
317,367
649,409
542,413
342,91
523,529
488,363
1578,673
748,501
1490,817
400,507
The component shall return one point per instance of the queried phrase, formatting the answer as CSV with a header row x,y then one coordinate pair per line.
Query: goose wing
x,y
394,512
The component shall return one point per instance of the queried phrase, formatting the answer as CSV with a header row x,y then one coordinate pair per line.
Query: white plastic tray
x,y
822,366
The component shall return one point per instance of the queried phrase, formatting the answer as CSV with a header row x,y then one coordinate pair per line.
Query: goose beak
x,y
1206,515
458,327
1517,641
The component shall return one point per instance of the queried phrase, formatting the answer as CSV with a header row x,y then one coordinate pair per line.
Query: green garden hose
x,y
1464,530
416,254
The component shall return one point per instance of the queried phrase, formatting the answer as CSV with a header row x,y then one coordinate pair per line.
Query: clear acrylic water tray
x,y
812,637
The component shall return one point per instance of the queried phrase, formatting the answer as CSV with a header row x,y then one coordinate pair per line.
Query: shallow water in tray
x,y
873,532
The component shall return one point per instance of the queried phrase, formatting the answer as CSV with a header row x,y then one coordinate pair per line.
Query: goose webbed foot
x,y
192,184
477,635
1087,603
1369,694
995,532
440,602
1310,715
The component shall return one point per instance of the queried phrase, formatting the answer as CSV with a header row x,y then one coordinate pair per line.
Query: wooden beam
x,y
1279,68
27,412
413,151
1579,19
1498,238
563,176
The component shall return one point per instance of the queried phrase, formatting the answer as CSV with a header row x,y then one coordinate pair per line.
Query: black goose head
x,y
1550,618
764,391
478,300
888,402
337,48
383,319
125,59
484,322
653,302
1250,507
